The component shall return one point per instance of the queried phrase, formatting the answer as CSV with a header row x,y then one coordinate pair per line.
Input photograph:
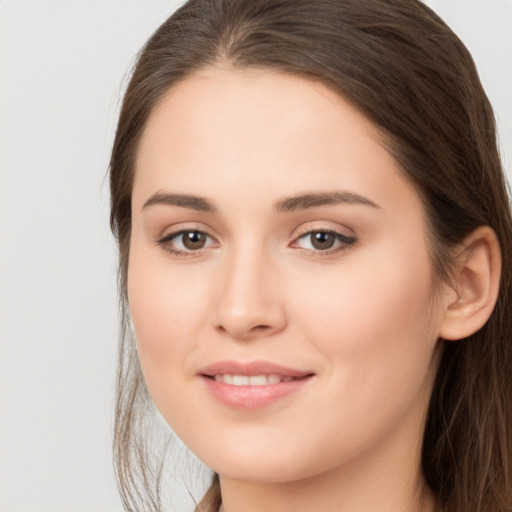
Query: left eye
x,y
323,240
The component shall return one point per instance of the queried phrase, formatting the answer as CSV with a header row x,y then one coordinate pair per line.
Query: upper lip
x,y
251,368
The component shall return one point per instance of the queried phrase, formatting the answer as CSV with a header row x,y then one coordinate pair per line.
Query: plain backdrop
x,y
63,66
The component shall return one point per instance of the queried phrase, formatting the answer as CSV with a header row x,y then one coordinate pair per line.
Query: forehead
x,y
219,112
222,129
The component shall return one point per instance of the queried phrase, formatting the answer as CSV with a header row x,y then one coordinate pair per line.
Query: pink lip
x,y
251,368
252,397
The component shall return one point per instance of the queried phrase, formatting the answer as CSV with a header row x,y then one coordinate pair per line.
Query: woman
x,y
315,247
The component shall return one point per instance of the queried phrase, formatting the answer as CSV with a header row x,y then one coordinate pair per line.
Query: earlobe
x,y
475,289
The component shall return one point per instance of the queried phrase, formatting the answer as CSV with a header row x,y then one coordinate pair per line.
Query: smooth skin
x,y
343,290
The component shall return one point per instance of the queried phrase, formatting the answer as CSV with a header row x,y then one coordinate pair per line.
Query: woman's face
x,y
279,279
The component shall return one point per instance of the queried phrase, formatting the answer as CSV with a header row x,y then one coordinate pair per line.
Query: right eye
x,y
186,241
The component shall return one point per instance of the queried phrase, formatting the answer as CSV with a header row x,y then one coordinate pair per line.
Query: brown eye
x,y
193,239
322,240
186,242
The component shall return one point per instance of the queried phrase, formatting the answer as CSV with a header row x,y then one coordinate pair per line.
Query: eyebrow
x,y
199,204
287,204
312,200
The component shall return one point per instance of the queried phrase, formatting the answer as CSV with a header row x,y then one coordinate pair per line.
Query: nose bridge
x,y
248,300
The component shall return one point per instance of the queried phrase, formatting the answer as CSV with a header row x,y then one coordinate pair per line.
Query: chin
x,y
262,463
262,472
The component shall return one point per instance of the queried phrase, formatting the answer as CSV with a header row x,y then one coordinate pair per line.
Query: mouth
x,y
253,380
252,385
254,373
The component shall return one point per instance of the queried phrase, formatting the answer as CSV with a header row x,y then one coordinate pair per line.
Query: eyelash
x,y
165,243
346,243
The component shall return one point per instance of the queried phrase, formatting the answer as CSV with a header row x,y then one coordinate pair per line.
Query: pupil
x,y
193,239
322,240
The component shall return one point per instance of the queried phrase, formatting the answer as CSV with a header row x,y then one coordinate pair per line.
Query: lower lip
x,y
253,397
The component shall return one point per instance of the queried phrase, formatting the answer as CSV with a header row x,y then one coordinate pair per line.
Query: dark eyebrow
x,y
311,200
184,200
287,204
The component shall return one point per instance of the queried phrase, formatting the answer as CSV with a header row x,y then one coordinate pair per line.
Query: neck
x,y
306,496
389,481
325,496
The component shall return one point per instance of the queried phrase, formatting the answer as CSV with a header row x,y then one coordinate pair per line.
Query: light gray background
x,y
63,65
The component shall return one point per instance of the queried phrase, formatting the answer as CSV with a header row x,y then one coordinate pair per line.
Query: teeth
x,y
240,380
274,379
253,380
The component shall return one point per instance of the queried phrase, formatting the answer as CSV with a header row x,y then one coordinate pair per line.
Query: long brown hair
x,y
399,64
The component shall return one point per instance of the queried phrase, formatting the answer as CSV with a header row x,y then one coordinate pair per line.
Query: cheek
x,y
167,316
373,316
377,334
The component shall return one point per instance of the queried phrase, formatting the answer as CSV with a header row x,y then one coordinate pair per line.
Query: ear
x,y
473,294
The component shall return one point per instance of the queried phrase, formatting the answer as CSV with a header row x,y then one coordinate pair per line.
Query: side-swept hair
x,y
400,65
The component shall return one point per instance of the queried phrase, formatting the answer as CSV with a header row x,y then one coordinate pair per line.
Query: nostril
x,y
260,327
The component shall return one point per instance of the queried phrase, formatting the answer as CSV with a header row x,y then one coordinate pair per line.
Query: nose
x,y
249,302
